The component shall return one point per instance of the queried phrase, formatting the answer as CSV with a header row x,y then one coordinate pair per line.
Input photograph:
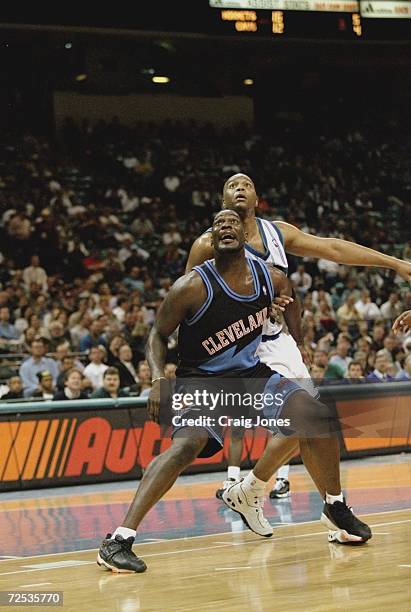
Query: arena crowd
x,y
96,224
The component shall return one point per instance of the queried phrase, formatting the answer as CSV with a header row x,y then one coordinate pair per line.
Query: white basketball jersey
x,y
274,254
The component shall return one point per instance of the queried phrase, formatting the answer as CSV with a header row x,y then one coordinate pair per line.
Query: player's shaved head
x,y
234,177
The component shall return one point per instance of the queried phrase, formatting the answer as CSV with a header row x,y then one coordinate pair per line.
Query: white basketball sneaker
x,y
227,483
249,506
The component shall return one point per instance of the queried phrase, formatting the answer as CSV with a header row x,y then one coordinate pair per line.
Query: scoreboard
x,y
318,18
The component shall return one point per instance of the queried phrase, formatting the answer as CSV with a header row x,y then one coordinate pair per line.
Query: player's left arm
x,y
292,312
299,243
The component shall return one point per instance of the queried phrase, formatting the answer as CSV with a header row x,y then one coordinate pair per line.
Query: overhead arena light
x,y
161,79
81,77
248,82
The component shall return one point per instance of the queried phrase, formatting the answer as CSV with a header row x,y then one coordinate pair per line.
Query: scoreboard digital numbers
x,y
324,18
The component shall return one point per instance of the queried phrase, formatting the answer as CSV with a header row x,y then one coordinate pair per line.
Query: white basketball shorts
x,y
281,354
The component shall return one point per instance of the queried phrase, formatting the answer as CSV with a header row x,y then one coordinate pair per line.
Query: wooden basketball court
x,y
296,569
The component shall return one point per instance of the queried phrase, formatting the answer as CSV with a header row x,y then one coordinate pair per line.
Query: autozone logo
x,y
66,448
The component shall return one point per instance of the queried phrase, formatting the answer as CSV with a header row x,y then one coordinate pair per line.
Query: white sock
x,y
125,533
330,499
233,472
253,483
283,472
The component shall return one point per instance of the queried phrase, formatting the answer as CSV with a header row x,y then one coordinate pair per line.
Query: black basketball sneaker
x,y
344,527
281,489
116,555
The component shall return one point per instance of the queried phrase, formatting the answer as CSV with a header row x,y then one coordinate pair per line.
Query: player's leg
x,y
115,551
282,355
307,416
235,452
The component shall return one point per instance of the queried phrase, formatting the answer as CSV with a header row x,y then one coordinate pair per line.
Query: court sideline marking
x,y
211,535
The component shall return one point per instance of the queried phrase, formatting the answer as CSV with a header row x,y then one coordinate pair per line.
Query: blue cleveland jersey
x,y
225,332
274,254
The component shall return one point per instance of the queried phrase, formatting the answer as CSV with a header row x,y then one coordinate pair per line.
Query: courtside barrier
x,y
78,442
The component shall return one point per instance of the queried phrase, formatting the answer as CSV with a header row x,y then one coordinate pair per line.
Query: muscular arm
x,y
292,313
200,252
299,243
184,298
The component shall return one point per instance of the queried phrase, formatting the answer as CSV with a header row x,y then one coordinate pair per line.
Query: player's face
x,y
228,232
239,195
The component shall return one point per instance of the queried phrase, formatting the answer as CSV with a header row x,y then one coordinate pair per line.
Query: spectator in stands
x,y
404,374
341,357
125,367
144,378
111,385
7,329
72,387
361,358
95,369
390,346
377,335
121,309
93,338
114,345
325,318
57,335
332,370
80,330
317,373
46,388
355,372
392,308
381,368
302,280
348,311
134,279
35,364
15,391
67,363
368,310
34,273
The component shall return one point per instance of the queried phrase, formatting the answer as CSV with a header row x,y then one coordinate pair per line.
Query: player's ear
x,y
246,236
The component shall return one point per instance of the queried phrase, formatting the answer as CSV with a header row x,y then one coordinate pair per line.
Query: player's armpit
x,y
200,251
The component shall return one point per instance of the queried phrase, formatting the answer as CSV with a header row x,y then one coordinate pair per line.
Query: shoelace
x,y
260,500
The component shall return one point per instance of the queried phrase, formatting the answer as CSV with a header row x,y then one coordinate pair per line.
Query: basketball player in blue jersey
x,y
220,308
270,241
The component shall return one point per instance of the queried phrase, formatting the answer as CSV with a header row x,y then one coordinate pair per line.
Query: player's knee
x,y
322,417
186,449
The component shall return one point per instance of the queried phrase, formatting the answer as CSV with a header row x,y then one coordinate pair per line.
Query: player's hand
x,y
403,268
402,323
157,395
305,354
281,302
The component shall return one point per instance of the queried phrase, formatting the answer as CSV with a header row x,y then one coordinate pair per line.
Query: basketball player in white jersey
x,y
270,241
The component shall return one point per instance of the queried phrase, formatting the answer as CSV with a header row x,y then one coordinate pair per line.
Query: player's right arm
x,y
183,300
200,251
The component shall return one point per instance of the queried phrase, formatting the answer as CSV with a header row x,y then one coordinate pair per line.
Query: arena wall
x,y
222,111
